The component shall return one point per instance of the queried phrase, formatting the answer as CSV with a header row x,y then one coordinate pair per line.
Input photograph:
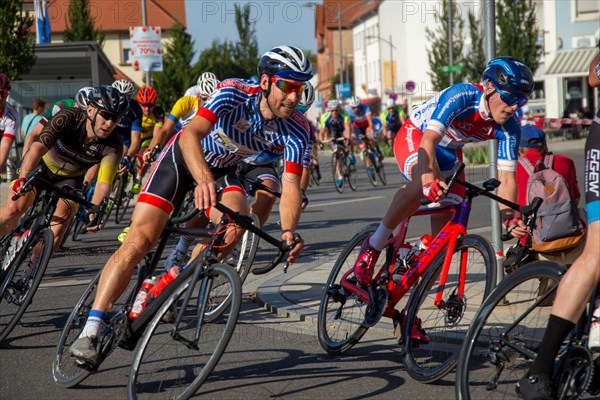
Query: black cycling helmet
x,y
285,62
509,75
109,99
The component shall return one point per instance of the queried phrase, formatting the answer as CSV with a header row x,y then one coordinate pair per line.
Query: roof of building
x,y
113,16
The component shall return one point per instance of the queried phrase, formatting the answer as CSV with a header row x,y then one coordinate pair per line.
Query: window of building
x,y
125,49
587,8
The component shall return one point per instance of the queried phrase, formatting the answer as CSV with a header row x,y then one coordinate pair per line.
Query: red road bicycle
x,y
447,285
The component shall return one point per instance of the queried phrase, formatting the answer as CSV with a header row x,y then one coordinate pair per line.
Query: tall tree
x,y
517,31
474,58
438,53
177,74
80,24
246,49
16,39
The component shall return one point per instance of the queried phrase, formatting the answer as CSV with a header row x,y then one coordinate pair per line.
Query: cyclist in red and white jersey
x,y
9,121
238,120
430,143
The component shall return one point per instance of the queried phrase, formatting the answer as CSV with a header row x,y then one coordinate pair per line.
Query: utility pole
x,y
145,23
450,42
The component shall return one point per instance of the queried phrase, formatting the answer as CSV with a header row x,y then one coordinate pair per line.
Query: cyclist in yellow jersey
x,y
185,109
152,122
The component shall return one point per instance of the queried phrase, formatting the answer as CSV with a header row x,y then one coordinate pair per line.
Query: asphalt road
x,y
269,356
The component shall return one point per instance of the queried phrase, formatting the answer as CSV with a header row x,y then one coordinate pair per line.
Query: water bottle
x,y
401,267
142,297
413,255
594,336
164,281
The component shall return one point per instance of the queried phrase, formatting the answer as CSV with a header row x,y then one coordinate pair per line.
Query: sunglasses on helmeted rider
x,y
109,116
288,86
147,105
512,99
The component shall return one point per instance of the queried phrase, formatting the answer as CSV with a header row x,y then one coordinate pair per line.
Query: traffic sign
x,y
451,68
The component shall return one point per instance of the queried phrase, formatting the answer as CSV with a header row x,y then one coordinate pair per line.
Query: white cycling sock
x,y
93,324
380,237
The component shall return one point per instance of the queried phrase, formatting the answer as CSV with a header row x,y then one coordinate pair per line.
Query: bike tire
x,y
9,315
507,304
447,327
121,198
335,161
380,169
165,366
351,175
313,176
341,314
64,371
366,158
77,228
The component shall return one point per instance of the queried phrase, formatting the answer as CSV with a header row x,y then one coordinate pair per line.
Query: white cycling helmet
x,y
308,97
124,86
354,101
192,91
206,75
285,62
207,86
333,104
81,97
390,103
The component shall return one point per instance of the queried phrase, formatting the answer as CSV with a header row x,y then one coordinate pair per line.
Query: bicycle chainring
x,y
376,307
575,373
455,309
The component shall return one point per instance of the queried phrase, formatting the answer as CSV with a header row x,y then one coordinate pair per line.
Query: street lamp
x,y
391,56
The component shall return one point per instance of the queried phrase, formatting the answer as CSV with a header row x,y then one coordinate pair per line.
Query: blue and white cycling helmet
x,y
354,101
511,78
308,97
285,62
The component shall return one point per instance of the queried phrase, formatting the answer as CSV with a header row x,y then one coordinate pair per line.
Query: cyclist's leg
x,y
576,286
264,201
12,210
446,161
404,203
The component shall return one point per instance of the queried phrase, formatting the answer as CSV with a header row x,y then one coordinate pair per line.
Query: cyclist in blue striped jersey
x,y
240,119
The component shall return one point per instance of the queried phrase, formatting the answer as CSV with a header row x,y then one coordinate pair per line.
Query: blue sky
x,y
277,22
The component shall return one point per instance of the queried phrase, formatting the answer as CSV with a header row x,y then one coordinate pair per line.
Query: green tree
x,y
17,54
474,59
80,24
438,53
177,74
517,31
246,49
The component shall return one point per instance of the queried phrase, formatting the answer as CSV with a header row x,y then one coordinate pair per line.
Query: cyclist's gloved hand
x,y
124,165
304,200
17,185
516,227
435,190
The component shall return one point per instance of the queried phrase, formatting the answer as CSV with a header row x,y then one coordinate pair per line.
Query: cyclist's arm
x,y
426,156
163,134
90,175
594,74
347,130
33,135
32,158
136,143
370,121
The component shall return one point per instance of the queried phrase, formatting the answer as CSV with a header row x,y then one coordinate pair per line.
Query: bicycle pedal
x,y
86,365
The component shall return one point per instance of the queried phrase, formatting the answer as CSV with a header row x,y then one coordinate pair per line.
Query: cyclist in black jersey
x,y
581,279
70,143
130,125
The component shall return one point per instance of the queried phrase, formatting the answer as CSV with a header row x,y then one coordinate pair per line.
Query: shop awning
x,y
574,62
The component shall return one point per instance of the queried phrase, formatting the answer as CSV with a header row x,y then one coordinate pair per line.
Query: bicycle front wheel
x,y
506,333
379,168
337,168
122,198
350,173
446,324
22,279
245,250
173,361
368,157
341,313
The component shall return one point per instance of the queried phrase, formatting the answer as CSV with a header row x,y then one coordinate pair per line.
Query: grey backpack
x,y
558,224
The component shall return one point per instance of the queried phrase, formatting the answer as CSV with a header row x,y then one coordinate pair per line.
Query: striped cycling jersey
x,y
9,122
359,120
458,114
239,130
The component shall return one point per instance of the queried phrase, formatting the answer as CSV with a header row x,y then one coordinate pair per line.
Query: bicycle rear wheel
x,y
506,333
446,325
22,279
122,198
369,163
337,167
341,313
379,168
175,366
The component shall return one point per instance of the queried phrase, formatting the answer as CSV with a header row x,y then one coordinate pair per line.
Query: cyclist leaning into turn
x,y
238,120
577,285
430,143
72,141
392,119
